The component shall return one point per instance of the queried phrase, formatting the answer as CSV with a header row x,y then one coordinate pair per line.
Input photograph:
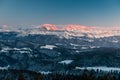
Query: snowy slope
x,y
92,33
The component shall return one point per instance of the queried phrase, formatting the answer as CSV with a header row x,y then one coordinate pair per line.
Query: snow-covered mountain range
x,y
69,31
52,49
92,33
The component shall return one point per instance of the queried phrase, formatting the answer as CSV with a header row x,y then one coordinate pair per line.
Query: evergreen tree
x,y
85,75
21,77
38,77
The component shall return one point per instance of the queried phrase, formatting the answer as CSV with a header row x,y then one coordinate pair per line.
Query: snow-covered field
x,y
103,68
48,46
45,72
66,61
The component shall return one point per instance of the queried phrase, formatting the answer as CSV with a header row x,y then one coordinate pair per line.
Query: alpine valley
x,y
63,51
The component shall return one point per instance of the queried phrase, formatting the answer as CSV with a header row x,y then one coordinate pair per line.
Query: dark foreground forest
x,y
84,75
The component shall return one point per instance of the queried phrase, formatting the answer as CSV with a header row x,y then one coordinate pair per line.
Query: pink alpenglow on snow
x,y
69,27
76,27
48,27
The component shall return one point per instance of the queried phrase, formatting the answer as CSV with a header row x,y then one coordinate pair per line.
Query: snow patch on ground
x,y
59,44
45,72
18,50
5,49
48,46
21,50
24,52
90,40
74,44
103,68
66,62
115,41
4,68
84,47
94,47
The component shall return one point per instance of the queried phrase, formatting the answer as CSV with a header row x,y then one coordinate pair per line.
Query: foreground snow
x,y
107,69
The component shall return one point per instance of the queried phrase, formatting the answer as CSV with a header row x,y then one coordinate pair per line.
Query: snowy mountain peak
x,y
91,33
69,31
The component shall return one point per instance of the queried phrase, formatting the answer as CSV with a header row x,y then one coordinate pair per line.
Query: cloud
x,y
73,27
4,26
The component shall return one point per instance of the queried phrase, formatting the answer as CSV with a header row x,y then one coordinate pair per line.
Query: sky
x,y
28,13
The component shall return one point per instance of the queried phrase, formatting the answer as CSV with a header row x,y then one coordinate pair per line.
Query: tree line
x,y
31,75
